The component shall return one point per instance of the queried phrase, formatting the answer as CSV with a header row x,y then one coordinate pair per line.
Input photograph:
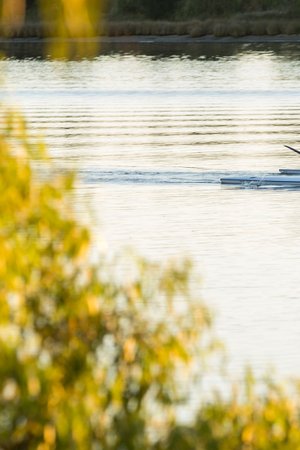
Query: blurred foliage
x,y
256,416
100,358
74,22
12,15
85,359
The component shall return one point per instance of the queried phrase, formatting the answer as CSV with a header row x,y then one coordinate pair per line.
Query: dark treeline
x,y
188,9
196,18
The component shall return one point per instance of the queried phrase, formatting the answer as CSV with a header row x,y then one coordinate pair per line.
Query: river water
x,y
150,132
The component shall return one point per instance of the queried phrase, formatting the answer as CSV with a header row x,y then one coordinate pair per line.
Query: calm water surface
x,y
150,133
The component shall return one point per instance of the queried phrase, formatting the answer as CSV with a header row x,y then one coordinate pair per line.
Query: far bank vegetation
x,y
195,18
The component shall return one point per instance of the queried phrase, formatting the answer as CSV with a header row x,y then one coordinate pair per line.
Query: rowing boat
x,y
267,180
290,171
285,177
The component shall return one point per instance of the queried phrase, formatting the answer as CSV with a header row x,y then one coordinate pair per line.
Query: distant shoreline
x,y
168,39
246,28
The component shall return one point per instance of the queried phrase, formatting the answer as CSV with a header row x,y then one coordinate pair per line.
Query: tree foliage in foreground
x,y
256,416
86,361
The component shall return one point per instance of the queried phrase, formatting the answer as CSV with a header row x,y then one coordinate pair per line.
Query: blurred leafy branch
x,y
85,360
73,23
91,361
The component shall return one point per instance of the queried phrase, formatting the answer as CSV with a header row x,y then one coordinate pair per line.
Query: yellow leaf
x,y
49,434
129,349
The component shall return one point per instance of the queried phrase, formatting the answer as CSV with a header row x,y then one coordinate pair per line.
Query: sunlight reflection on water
x,y
151,136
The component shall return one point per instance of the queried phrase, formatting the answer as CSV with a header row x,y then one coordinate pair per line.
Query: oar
x,y
293,149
